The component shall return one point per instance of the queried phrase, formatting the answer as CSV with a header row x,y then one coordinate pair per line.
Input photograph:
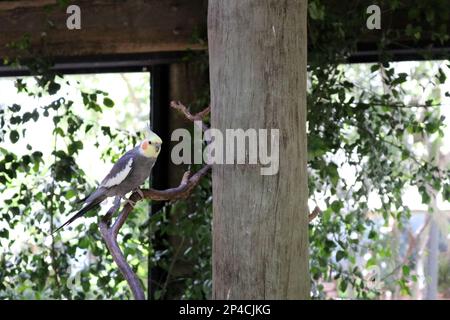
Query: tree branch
x,y
192,117
109,233
314,213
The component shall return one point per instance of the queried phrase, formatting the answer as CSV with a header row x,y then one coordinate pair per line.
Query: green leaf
x,y
15,108
26,117
446,192
108,102
53,87
336,206
343,285
340,255
37,155
4,234
15,120
88,127
14,136
425,196
70,194
85,97
35,115
83,243
441,76
401,77
406,271
333,173
316,11
58,131
372,234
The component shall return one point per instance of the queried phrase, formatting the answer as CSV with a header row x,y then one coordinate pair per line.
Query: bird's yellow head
x,y
151,146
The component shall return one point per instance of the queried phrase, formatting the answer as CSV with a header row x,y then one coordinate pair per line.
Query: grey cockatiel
x,y
127,174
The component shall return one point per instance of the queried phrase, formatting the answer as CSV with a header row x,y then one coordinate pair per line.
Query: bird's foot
x,y
130,202
139,191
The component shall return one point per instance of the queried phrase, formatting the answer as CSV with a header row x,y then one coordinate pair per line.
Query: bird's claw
x,y
130,202
139,191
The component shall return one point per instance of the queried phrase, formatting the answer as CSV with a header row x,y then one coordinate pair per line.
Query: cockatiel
x,y
127,174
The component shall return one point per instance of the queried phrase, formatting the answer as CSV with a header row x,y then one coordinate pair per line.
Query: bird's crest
x,y
153,137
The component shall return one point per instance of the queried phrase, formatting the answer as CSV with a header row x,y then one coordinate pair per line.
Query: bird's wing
x,y
120,171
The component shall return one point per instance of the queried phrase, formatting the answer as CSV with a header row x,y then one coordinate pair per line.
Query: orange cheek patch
x,y
145,145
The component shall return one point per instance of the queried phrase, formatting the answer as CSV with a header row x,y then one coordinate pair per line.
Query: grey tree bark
x,y
432,259
432,265
257,54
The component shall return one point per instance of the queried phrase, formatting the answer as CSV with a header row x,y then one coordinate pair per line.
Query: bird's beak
x,y
157,147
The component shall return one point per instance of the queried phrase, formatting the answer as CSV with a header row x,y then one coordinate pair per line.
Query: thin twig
x,y
172,264
192,117
184,110
314,213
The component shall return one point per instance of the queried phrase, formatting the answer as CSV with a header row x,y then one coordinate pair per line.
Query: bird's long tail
x,y
85,209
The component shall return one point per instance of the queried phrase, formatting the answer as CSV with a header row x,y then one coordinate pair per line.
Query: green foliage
x,y
351,123
50,186
185,228
39,190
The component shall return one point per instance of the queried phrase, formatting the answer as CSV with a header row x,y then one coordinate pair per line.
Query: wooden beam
x,y
107,26
112,27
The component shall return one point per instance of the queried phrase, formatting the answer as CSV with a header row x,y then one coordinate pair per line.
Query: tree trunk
x,y
432,260
188,83
432,266
258,80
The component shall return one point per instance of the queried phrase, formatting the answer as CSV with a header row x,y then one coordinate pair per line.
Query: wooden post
x,y
187,82
257,54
